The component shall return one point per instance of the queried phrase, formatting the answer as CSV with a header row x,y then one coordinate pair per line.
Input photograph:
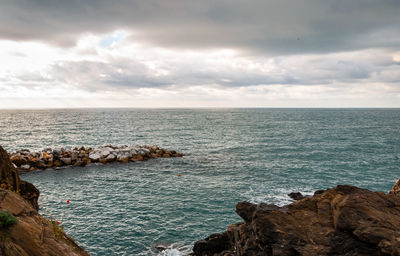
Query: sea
x,y
231,155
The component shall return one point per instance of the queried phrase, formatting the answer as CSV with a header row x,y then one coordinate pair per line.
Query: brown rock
x,y
8,174
16,159
86,161
124,159
167,155
396,188
74,157
41,164
79,163
139,158
177,155
33,161
49,164
47,156
296,196
102,160
66,160
57,163
345,220
33,235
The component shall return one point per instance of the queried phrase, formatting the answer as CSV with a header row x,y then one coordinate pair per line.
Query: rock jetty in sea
x,y
23,231
26,160
344,220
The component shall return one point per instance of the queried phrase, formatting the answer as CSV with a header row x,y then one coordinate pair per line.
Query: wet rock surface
x,y
296,196
344,220
32,234
24,160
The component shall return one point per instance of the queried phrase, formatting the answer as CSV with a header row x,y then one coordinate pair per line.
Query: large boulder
x,y
94,157
344,220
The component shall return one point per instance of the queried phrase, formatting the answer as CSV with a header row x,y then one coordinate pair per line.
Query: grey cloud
x,y
260,26
91,75
122,73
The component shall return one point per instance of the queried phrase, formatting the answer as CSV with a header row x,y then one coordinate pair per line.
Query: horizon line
x,y
143,108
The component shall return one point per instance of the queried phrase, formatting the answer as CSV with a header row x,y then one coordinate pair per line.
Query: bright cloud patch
x,y
110,71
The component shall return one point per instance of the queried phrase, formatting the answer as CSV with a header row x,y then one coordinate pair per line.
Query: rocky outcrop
x,y
344,220
9,180
25,160
396,188
30,234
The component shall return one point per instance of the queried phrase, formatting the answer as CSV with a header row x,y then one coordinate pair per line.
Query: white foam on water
x,y
176,250
171,252
278,196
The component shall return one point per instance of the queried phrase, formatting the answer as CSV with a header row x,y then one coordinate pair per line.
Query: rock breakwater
x,y
344,220
25,160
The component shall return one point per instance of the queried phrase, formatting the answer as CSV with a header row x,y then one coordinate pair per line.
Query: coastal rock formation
x,y
9,179
344,220
396,188
23,231
25,160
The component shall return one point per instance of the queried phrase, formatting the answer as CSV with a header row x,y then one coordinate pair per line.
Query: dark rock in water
x,y
161,247
344,220
29,233
215,243
296,196
319,192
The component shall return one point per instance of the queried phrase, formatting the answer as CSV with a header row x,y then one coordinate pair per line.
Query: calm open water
x,y
258,155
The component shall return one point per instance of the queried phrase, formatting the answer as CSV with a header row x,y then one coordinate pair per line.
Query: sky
x,y
209,53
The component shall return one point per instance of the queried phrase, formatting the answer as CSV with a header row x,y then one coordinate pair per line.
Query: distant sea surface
x,y
258,155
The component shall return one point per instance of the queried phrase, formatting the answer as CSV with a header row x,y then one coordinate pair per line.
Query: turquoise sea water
x,y
232,155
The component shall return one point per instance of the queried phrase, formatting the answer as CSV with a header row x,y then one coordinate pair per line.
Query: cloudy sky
x,y
180,53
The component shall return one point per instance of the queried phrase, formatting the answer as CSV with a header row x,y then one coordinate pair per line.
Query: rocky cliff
x,y
344,220
22,230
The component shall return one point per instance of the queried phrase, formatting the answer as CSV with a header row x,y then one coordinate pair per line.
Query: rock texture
x,y
25,160
9,179
396,188
344,220
32,235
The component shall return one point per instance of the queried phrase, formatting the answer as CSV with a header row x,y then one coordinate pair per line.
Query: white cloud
x,y
108,70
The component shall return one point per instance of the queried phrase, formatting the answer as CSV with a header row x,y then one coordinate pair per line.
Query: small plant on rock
x,y
57,228
7,219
